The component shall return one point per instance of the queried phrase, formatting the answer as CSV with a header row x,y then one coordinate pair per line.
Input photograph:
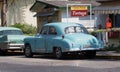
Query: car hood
x,y
16,38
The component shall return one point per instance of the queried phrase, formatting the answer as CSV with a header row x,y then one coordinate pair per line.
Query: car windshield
x,y
75,29
11,32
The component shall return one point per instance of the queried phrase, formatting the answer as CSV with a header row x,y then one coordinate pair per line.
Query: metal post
x,y
3,13
90,16
67,12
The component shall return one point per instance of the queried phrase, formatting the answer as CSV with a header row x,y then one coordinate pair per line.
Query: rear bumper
x,y
81,49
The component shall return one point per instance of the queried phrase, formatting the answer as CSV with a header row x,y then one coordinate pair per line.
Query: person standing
x,y
108,23
108,27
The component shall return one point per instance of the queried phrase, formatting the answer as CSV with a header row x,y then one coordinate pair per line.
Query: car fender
x,y
30,41
63,44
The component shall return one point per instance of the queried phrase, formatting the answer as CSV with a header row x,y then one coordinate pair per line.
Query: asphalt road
x,y
18,63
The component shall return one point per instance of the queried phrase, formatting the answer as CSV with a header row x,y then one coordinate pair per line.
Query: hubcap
x,y
27,51
58,53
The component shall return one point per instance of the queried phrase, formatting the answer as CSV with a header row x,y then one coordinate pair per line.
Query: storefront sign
x,y
79,11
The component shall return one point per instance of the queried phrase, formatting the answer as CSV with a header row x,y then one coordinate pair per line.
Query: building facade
x,y
108,9
56,11
111,10
18,12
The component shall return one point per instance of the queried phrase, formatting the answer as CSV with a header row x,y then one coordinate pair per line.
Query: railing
x,y
106,35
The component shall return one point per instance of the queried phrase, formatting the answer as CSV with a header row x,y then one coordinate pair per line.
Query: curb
x,y
108,57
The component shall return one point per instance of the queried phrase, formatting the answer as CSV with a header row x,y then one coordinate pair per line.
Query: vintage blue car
x,y
62,38
11,39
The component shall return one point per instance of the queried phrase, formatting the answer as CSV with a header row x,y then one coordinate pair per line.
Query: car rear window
x,y
75,29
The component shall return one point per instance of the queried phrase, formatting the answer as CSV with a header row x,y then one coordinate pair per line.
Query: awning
x,y
108,8
40,4
44,14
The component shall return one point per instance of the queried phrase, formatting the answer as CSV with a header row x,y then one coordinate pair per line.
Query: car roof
x,y
8,28
60,26
63,24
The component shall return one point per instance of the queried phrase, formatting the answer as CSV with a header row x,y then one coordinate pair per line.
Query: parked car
x,y
62,38
11,39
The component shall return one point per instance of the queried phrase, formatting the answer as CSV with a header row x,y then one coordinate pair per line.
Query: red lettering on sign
x,y
79,12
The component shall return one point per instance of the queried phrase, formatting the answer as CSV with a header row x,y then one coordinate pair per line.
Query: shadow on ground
x,y
66,57
12,54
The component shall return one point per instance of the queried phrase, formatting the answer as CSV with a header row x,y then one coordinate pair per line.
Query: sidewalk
x,y
108,55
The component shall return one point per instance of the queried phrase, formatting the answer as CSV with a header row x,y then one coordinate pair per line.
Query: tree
x,y
3,13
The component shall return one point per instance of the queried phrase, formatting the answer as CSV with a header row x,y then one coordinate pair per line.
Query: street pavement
x,y
99,54
45,63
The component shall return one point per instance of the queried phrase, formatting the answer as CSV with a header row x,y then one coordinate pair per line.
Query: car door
x,y
41,40
50,39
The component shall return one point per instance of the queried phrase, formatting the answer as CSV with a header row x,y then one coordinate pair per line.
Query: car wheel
x,y
28,52
58,53
90,54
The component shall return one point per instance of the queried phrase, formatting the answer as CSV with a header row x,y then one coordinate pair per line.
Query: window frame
x,y
46,30
83,30
55,31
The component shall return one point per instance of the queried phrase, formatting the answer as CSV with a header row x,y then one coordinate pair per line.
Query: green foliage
x,y
97,31
93,33
26,28
109,47
112,47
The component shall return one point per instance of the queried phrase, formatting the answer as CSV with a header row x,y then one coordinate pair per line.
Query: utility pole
x,y
3,13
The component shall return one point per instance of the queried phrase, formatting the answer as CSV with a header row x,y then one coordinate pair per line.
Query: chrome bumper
x,y
15,46
10,46
80,49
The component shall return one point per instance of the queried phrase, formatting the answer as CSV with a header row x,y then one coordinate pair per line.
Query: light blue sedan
x,y
62,38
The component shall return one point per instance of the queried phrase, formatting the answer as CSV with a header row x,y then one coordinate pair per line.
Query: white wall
x,y
82,20
18,12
